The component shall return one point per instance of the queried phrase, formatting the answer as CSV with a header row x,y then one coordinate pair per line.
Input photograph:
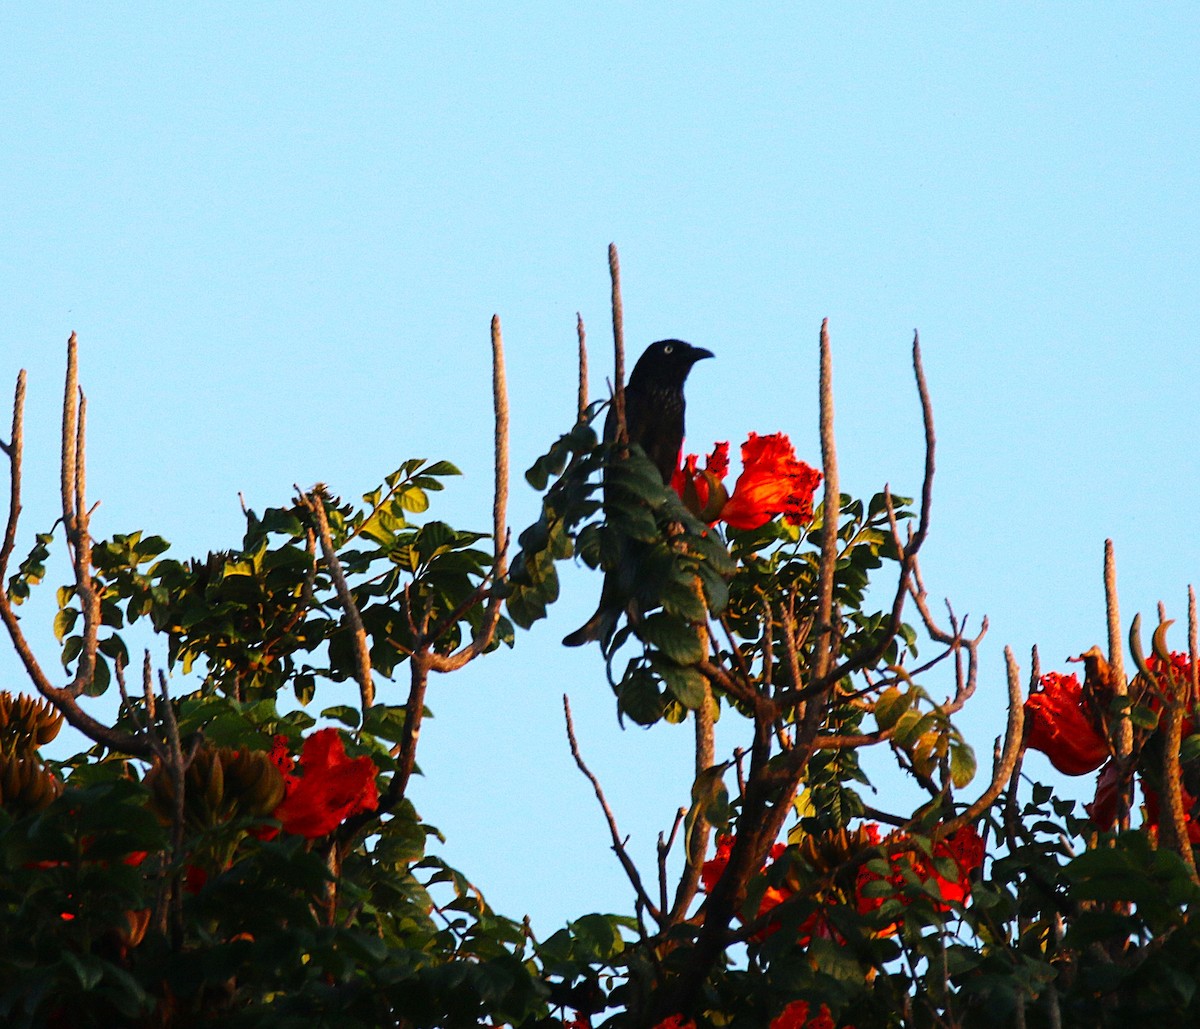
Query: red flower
x,y
676,1022
772,482
281,758
194,879
703,491
964,847
795,1016
714,868
1179,667
1060,726
792,1017
1103,808
330,789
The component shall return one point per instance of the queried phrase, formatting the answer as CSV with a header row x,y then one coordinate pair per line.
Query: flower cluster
x,y
773,482
1060,724
712,870
1063,719
795,1016
964,848
329,789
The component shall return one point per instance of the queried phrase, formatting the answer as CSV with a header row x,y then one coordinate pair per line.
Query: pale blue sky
x,y
280,231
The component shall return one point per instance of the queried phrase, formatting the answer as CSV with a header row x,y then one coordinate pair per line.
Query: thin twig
x,y
696,841
664,848
13,450
314,501
618,320
500,450
63,699
1174,828
1193,649
581,332
866,658
81,542
768,645
831,512
483,636
1013,742
1116,652
126,703
631,872
67,469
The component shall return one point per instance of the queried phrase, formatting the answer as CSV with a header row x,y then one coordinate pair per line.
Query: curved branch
x,y
314,501
63,699
483,637
631,872
866,658
1014,733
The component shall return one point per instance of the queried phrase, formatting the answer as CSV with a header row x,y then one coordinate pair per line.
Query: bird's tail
x,y
600,626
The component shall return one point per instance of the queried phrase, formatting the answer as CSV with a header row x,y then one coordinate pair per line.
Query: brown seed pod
x,y
26,785
26,723
221,784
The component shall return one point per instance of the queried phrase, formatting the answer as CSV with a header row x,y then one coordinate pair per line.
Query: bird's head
x,y
666,364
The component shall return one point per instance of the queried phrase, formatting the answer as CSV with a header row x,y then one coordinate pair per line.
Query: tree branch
x,y
618,320
631,872
314,502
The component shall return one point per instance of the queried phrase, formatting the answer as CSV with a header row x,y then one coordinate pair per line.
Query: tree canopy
x,y
216,858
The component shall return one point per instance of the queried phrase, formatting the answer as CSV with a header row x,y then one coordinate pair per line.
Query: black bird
x,y
654,407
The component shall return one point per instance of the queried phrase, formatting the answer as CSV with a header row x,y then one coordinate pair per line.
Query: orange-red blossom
x,y
965,847
330,787
795,1016
773,482
1060,725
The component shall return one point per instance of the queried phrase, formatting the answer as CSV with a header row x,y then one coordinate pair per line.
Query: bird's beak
x,y
699,354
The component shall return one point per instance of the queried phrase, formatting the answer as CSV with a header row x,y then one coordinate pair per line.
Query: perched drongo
x,y
654,408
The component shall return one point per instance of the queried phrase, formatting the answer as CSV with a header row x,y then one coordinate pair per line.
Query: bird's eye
x,y
668,348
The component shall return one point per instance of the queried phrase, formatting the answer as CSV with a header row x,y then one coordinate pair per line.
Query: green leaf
x,y
64,622
1190,750
710,795
101,678
685,684
88,970
639,698
892,703
537,475
678,640
1143,717
962,764
910,726
413,499
386,722
432,538
72,648
342,713
716,589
